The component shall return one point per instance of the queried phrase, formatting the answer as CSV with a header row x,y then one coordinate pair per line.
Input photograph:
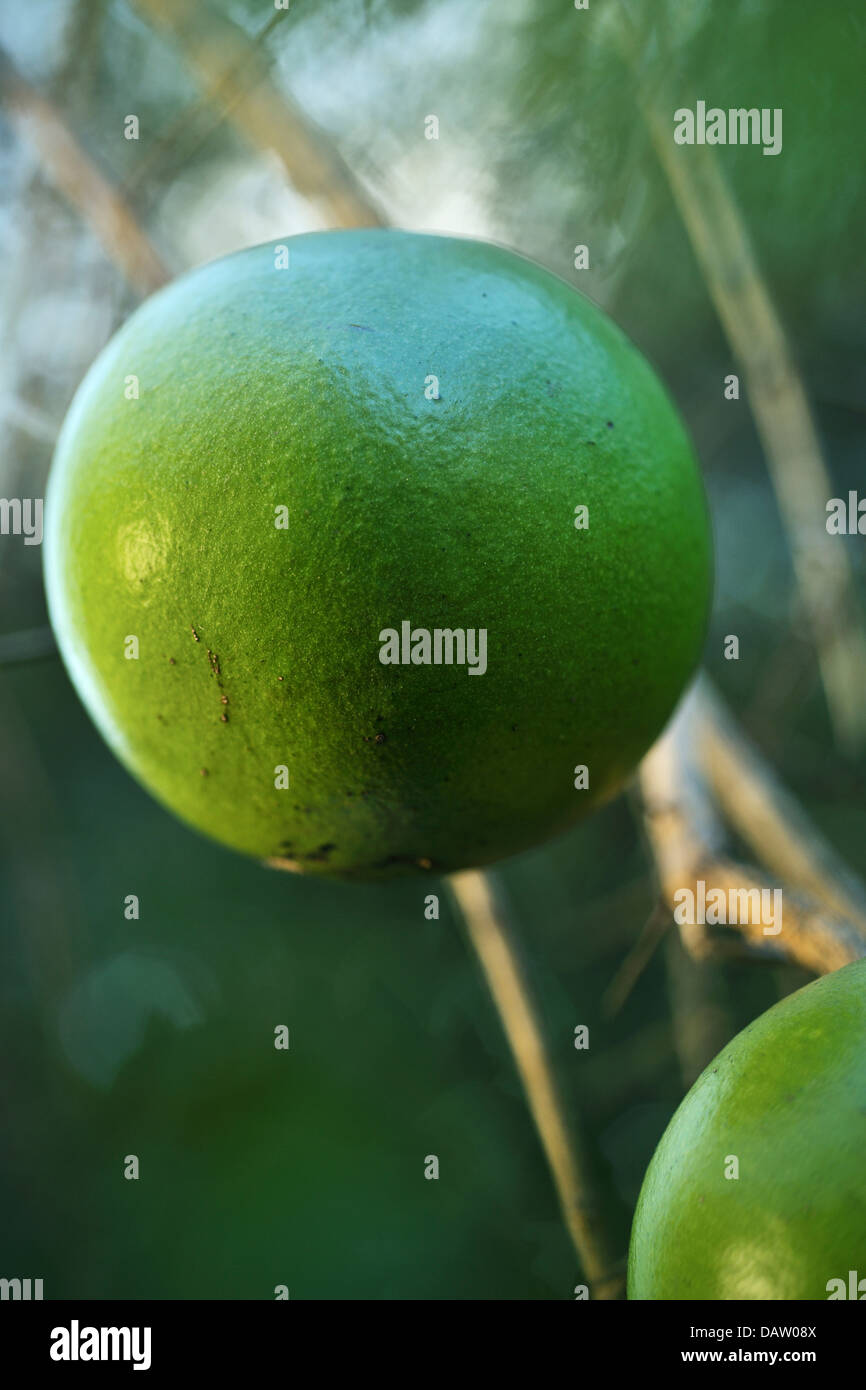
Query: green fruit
x,y
787,1099
310,388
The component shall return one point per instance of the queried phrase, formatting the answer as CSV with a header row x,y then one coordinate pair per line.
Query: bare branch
x,y
78,178
777,396
181,139
768,816
687,837
654,929
233,74
482,903
700,1017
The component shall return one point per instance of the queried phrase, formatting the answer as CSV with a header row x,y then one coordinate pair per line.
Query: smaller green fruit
x,y
756,1189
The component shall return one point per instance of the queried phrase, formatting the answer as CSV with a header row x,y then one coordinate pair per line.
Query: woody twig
x,y
81,182
702,765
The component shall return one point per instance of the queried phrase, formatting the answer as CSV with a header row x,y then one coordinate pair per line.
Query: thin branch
x,y
481,902
178,130
700,1017
651,935
768,817
217,52
687,839
777,396
77,177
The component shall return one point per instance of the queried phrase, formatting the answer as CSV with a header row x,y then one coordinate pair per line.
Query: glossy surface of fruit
x,y
272,464
787,1099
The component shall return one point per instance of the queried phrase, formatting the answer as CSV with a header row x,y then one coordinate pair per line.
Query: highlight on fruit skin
x,y
294,469
756,1188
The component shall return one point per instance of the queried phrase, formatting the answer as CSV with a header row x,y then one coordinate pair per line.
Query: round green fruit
x,y
290,452
786,1099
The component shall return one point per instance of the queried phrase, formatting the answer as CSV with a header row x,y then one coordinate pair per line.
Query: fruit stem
x,y
481,900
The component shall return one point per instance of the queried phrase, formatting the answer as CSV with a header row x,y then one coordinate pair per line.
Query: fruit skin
x,y
305,387
787,1096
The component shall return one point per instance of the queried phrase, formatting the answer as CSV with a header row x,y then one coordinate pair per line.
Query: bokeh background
x,y
155,1037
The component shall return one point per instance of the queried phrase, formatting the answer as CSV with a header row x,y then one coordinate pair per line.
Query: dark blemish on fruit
x,y
610,424
194,633
380,738
591,443
214,663
363,326
392,859
204,772
318,856
514,728
224,699
171,661
224,719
